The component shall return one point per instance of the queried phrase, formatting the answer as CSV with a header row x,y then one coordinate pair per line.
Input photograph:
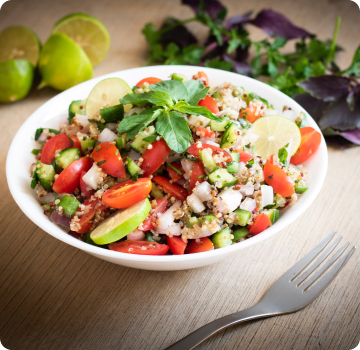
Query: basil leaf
x,y
158,98
150,138
40,130
34,180
257,97
283,154
175,131
184,107
196,91
174,88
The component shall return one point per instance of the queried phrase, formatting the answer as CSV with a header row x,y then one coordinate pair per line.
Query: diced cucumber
x,y
67,156
217,94
138,144
133,169
179,77
240,233
207,160
191,222
300,188
78,107
155,192
149,237
241,217
222,238
124,153
233,167
48,170
112,114
87,143
120,142
69,204
219,126
272,214
222,176
245,96
230,136
199,221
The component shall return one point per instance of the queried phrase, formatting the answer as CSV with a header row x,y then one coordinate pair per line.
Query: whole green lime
x,y
16,77
63,63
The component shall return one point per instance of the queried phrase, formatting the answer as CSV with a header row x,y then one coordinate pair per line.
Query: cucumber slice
x,y
112,114
133,169
207,160
240,233
222,238
87,143
69,204
199,221
120,142
155,192
67,156
138,144
300,189
48,170
272,214
222,176
219,126
230,136
121,223
233,167
76,107
241,217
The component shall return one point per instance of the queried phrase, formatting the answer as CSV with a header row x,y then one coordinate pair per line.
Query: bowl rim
x,y
49,227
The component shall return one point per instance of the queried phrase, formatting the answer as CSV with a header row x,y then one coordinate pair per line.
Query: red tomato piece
x,y
149,80
173,189
261,223
69,179
197,175
205,133
310,142
271,159
194,150
109,159
139,247
84,186
175,176
204,245
210,104
245,157
278,179
76,143
127,193
203,77
249,113
58,142
155,157
161,207
176,245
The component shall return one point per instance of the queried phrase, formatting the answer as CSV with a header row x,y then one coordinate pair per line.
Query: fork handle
x,y
196,337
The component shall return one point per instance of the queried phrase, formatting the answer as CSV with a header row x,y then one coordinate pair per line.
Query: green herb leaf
x,y
40,130
158,98
34,180
283,154
184,107
112,114
216,63
173,168
152,35
36,151
257,97
174,88
150,138
196,91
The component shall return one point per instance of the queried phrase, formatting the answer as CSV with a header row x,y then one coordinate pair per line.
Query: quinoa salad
x,y
173,166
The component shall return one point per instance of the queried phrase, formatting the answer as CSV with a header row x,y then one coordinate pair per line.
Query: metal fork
x,y
290,293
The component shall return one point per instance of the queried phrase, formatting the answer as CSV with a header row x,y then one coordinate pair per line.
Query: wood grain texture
x,y
53,296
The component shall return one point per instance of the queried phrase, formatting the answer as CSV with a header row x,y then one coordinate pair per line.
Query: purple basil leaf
x,y
239,67
239,20
276,24
213,7
312,105
351,135
326,87
178,35
242,54
213,49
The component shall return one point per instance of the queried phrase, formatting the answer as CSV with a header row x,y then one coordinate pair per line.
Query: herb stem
x,y
173,168
180,23
333,43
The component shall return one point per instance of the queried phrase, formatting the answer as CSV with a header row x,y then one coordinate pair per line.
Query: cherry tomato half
x,y
194,150
149,223
58,142
278,179
204,245
127,193
176,245
203,77
149,80
173,189
155,157
175,176
249,113
210,104
310,142
84,187
109,159
139,247
69,179
197,175
261,223
205,133
245,157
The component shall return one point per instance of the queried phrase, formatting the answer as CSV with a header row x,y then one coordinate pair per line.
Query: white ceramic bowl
x,y
19,160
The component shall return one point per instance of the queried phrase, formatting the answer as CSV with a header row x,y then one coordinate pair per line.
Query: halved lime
x,y
63,63
106,93
274,133
121,223
88,32
16,78
18,42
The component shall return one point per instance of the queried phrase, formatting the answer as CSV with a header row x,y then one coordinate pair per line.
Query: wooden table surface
x,y
54,296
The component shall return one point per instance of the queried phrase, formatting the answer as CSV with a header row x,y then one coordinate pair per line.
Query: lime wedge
x,y
16,78
121,223
19,43
88,32
106,93
274,133
63,63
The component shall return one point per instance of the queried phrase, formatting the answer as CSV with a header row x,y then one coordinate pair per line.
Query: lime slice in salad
x,y
16,78
18,42
121,223
106,93
274,133
88,32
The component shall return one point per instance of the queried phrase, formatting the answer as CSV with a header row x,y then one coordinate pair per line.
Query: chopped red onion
x,y
247,190
136,235
248,204
62,221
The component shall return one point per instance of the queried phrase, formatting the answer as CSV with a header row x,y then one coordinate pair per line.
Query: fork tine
x,y
317,263
324,281
296,269
334,258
